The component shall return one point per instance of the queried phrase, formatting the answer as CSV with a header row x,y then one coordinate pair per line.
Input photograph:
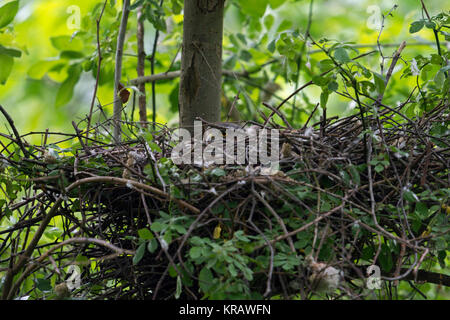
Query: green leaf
x,y
269,21
6,64
205,279
439,78
276,3
324,98
325,65
218,172
430,25
154,146
40,68
410,196
333,86
152,245
136,4
272,46
145,234
416,26
320,80
70,54
156,17
44,284
355,175
341,55
139,253
421,210
232,270
67,43
65,91
436,59
176,7
195,252
158,226
255,8
179,288
441,244
380,82
10,52
8,12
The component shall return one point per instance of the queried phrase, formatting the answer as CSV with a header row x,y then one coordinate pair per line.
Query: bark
x,y
141,69
201,62
118,70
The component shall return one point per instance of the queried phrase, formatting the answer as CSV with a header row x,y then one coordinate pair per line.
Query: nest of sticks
x,y
348,180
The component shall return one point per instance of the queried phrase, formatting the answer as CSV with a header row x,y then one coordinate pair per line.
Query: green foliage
x,y
7,13
223,265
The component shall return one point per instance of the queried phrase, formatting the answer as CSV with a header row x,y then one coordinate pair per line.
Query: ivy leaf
x,y
8,12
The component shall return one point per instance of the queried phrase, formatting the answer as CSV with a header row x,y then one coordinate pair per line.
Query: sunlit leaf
x,y
8,12
65,91
6,64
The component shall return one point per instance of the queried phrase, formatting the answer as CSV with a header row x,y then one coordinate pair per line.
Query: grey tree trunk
x,y
201,62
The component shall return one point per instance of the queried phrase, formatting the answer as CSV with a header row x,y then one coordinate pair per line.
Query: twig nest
x,y
324,278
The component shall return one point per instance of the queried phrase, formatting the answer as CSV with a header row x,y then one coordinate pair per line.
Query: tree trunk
x,y
141,69
201,62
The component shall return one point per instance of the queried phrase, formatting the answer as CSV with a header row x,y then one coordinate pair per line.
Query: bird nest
x,y
347,194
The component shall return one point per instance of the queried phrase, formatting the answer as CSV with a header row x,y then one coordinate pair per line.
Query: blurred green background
x,y
30,92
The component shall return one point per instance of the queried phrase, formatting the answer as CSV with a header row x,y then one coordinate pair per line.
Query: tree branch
x,y
141,69
118,70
